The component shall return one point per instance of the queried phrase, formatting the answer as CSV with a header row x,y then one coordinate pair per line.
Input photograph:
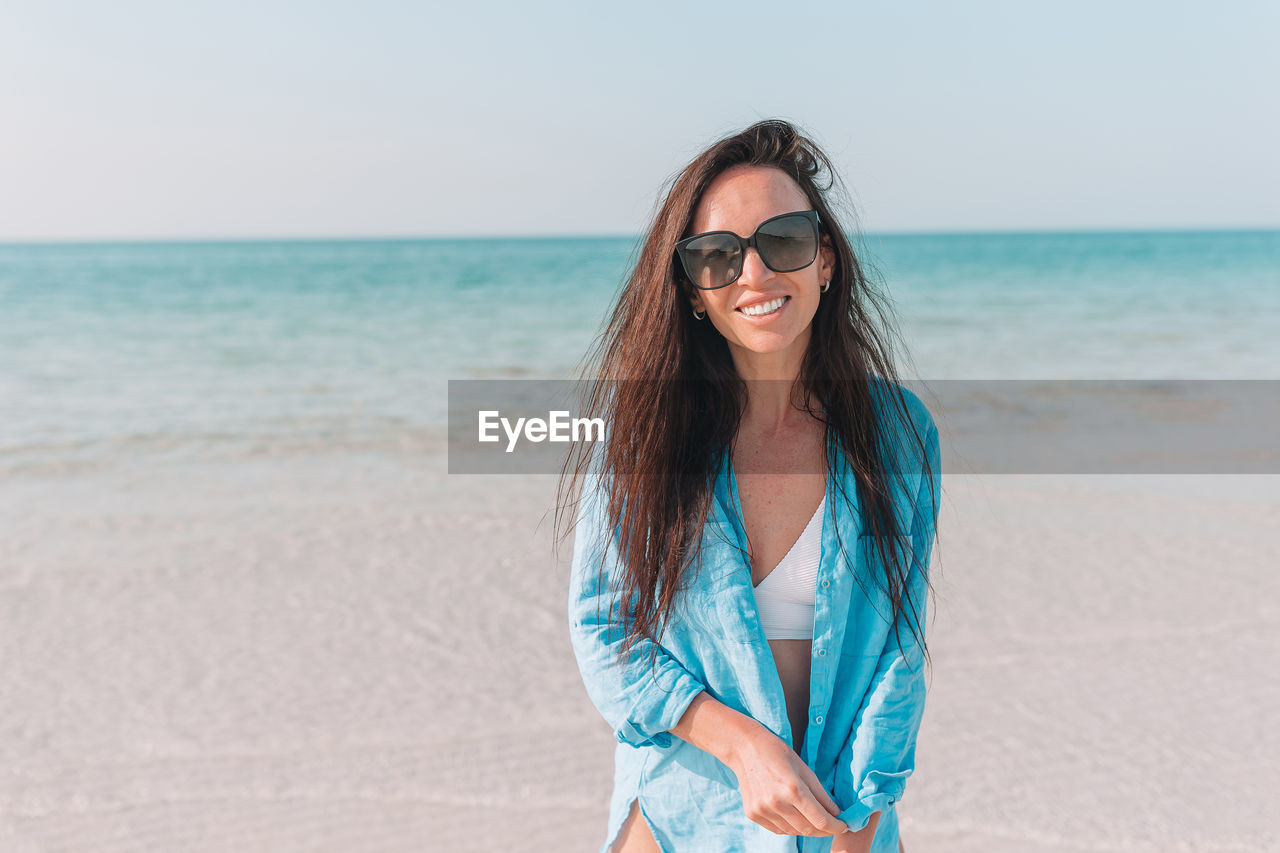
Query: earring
x,y
696,315
825,287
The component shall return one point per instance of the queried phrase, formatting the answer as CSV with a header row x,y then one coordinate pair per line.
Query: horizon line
x,y
569,235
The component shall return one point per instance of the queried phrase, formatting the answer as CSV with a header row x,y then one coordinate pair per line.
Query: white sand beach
x,y
361,654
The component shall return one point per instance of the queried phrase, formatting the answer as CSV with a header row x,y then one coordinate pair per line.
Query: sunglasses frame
x,y
745,243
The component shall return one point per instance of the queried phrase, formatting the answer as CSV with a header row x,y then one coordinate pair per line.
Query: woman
x,y
750,567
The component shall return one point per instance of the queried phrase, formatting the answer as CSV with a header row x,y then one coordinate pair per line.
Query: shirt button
x,y
818,719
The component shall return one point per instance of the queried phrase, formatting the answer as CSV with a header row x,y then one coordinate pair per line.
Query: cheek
x,y
722,315
718,304
723,324
806,308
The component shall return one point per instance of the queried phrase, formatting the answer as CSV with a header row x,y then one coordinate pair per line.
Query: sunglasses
x,y
786,243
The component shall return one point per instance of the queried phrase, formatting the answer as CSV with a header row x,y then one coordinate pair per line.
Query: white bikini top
x,y
787,595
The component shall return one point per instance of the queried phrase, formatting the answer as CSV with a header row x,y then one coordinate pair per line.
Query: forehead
x,y
742,197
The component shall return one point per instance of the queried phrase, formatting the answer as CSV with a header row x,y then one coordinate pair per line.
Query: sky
x,y
199,120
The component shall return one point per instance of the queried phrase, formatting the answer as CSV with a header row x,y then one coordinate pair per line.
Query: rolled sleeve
x,y
644,694
879,756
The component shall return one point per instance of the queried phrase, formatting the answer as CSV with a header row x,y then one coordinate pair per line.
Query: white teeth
x,y
764,307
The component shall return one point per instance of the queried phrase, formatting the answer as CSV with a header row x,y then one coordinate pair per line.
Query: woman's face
x,y
738,200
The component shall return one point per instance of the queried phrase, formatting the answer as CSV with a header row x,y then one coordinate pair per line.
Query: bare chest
x,y
780,484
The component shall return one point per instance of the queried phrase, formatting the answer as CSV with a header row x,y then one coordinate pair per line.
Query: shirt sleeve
x,y
639,699
872,771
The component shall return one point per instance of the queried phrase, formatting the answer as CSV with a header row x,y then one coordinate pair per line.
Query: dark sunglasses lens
x,y
787,243
712,261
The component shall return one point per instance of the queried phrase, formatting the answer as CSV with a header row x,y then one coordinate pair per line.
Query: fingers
x,y
790,821
817,806
824,798
780,818
809,818
816,789
801,814
771,826
800,825
821,817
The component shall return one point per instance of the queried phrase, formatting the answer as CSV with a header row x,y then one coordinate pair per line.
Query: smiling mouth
x,y
765,309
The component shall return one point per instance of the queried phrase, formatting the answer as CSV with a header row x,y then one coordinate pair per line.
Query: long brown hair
x,y
667,387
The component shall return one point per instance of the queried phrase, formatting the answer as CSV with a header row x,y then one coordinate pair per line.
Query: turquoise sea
x,y
218,350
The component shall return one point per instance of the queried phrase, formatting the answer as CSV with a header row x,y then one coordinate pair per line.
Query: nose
x,y
754,270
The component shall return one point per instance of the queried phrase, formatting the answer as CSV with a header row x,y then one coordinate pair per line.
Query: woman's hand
x,y
779,791
856,842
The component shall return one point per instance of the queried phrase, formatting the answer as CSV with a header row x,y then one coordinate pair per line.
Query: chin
x,y
766,342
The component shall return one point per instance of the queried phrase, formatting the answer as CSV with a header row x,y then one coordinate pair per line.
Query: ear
x,y
827,259
694,297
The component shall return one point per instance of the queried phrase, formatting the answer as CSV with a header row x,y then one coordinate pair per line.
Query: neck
x,y
774,398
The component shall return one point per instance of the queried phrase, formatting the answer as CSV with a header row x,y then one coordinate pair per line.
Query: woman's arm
x,y
640,701
714,727
857,842
874,765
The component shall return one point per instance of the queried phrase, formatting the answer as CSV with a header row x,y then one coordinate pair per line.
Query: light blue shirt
x,y
866,694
